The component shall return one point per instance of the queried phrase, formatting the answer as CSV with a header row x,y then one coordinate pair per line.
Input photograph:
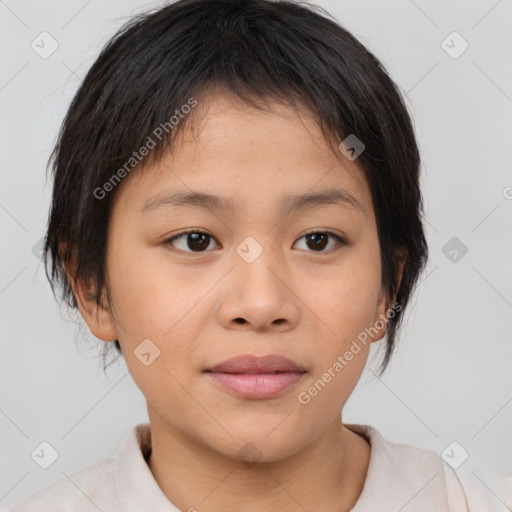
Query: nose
x,y
259,296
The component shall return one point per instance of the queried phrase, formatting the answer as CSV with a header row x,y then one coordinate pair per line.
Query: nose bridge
x,y
257,262
257,295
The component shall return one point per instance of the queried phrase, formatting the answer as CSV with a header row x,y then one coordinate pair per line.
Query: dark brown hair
x,y
257,50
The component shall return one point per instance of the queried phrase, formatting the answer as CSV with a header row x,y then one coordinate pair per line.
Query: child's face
x,y
303,301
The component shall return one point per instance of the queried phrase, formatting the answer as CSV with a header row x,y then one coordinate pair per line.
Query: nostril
x,y
239,320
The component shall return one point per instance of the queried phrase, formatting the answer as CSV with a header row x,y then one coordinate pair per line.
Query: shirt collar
x,y
399,477
137,488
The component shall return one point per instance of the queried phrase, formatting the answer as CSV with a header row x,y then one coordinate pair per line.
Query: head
x,y
254,102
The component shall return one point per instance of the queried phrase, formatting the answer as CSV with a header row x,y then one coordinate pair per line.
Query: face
x,y
260,274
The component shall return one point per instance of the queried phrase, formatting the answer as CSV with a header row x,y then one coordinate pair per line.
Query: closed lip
x,y
249,363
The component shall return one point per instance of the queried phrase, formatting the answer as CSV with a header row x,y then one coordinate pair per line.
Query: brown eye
x,y
191,241
317,241
198,241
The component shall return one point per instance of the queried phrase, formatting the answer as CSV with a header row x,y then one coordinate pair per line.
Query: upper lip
x,y
257,364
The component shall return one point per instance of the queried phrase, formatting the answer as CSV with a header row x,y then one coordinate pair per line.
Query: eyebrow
x,y
289,202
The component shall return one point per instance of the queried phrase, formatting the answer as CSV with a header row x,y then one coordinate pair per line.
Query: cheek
x,y
160,302
346,298
157,315
346,305
352,306
151,294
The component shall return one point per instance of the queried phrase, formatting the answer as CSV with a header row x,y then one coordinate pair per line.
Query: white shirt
x,y
399,478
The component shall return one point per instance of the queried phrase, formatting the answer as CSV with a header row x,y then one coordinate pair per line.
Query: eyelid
x,y
340,237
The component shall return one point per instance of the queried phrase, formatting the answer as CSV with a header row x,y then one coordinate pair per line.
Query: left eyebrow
x,y
289,202
325,197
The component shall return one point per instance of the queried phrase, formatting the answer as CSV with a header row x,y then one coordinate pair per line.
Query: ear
x,y
98,317
380,320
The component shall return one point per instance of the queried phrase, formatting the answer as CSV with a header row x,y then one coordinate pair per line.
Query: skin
x,y
304,303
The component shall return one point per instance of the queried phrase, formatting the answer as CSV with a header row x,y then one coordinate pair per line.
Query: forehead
x,y
224,122
232,150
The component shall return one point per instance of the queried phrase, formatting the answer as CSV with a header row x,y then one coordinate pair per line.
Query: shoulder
x,y
120,482
409,476
85,490
477,489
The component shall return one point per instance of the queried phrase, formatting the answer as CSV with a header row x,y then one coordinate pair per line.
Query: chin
x,y
253,446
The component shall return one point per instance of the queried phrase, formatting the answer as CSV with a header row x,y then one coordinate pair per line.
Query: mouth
x,y
250,364
256,377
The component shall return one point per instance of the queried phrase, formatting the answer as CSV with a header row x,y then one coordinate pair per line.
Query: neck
x,y
328,474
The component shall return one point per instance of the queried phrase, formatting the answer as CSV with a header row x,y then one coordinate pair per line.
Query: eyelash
x,y
340,240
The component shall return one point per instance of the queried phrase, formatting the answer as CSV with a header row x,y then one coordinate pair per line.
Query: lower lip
x,y
256,385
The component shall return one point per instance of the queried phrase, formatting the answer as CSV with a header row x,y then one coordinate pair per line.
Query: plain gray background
x,y
450,379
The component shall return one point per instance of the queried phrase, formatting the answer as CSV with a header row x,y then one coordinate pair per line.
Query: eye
x,y
196,241
199,241
317,240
